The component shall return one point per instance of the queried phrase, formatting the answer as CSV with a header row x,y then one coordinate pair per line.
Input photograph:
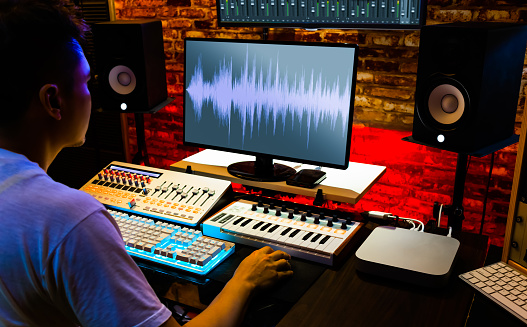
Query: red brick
x,y
381,65
406,80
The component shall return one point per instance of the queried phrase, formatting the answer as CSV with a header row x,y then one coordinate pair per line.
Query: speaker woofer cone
x,y
122,80
446,104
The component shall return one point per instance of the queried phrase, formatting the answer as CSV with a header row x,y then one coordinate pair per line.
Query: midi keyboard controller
x,y
305,235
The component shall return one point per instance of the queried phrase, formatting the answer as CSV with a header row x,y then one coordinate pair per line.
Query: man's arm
x,y
258,271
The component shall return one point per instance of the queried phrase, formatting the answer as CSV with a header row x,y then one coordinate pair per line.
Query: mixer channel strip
x,y
301,234
161,194
171,245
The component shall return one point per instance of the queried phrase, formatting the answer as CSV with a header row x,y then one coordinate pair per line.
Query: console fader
x,y
163,194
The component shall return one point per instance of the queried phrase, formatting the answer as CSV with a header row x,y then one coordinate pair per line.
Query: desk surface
x,y
345,297
346,186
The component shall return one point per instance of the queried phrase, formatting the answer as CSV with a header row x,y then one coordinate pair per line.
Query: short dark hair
x,y
39,44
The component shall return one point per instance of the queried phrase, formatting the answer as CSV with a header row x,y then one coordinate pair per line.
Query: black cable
x,y
486,194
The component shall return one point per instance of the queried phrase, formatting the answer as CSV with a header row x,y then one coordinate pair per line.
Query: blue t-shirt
x,y
63,260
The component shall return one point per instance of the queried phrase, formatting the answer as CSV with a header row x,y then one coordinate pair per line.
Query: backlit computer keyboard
x,y
169,244
502,284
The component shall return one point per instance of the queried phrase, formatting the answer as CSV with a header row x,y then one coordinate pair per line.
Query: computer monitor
x,y
274,100
310,14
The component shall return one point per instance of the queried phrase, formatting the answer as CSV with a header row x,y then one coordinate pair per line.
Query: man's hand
x,y
263,268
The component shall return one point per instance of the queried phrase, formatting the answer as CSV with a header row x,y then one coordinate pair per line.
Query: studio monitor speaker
x,y
130,62
468,80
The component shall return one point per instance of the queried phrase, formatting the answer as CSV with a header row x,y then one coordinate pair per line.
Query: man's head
x,y
41,61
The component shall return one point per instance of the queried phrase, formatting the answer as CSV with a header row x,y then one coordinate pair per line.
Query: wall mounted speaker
x,y
130,64
468,80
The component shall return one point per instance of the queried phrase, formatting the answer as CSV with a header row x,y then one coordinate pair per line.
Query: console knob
x,y
271,205
260,203
303,217
330,223
284,208
290,215
335,218
253,208
343,226
296,210
317,220
278,213
266,209
321,215
309,212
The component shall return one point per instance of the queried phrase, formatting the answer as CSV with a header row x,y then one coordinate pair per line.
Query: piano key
x,y
260,232
333,245
275,234
297,240
284,238
231,226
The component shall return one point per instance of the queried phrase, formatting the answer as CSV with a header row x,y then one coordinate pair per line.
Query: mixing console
x,y
158,193
301,234
170,245
322,12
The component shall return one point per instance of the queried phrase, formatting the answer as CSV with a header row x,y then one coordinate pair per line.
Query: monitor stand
x,y
262,169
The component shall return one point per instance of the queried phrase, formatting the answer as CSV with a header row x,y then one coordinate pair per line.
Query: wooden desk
x,y
346,186
345,297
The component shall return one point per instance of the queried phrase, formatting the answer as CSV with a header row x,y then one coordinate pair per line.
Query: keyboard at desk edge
x,y
502,284
169,244
320,241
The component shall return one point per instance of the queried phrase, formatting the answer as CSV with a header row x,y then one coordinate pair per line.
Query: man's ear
x,y
50,100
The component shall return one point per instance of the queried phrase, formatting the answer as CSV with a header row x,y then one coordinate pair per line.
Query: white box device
x,y
410,256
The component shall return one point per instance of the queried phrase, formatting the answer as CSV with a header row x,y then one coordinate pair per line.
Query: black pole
x,y
456,215
141,156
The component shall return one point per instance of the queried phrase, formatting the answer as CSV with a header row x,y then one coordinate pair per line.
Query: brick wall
x,y
384,102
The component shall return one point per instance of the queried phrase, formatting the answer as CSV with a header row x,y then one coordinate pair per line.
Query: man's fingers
x,y
282,264
282,274
277,255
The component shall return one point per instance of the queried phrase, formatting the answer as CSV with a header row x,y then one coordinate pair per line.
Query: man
x,y
63,261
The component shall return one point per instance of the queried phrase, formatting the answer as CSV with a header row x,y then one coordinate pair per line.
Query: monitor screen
x,y
342,14
291,101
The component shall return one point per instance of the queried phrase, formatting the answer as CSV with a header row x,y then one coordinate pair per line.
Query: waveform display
x,y
268,96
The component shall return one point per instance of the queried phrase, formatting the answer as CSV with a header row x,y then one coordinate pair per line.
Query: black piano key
x,y
316,237
237,221
258,225
324,240
272,229
308,235
245,222
264,227
285,231
293,234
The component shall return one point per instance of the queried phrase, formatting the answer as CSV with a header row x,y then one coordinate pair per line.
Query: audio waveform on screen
x,y
264,94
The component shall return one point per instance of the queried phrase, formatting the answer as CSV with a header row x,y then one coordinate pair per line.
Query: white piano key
x,y
247,228
230,226
285,238
297,240
322,246
275,235
259,232
334,243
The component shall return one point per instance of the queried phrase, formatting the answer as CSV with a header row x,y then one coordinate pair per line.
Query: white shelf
x,y
346,186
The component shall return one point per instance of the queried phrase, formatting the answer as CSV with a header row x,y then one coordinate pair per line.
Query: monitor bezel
x,y
338,25
343,166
